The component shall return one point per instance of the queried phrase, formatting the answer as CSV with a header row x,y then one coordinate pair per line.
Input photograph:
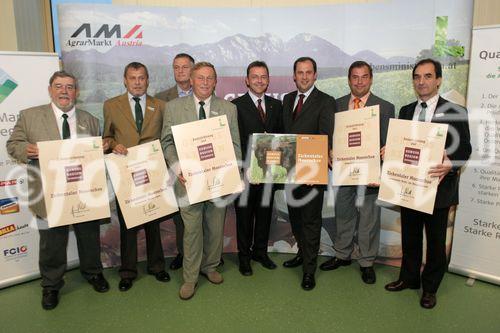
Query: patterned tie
x,y
421,116
356,103
138,114
65,127
201,113
261,111
298,108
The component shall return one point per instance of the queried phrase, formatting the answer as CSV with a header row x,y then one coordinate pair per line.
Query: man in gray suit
x,y
182,65
55,121
356,213
203,221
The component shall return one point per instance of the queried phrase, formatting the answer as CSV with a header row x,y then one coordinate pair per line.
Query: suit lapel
x,y
190,112
82,127
149,112
372,100
439,109
54,133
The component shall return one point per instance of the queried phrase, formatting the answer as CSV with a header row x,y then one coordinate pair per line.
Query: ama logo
x,y
7,85
105,35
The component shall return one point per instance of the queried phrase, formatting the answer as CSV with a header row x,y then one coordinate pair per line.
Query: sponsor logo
x,y
11,228
206,152
406,192
106,35
9,206
11,182
411,156
149,209
15,253
354,139
74,173
140,177
7,85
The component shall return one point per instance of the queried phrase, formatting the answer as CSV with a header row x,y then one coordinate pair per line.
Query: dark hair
x,y
304,59
438,69
202,64
135,65
184,55
359,64
257,63
63,74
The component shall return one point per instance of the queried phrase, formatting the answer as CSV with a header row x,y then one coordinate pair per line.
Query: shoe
x,y
334,263
187,290
214,277
294,262
368,275
50,299
265,261
161,276
125,284
399,285
99,283
308,282
245,268
428,300
221,262
177,262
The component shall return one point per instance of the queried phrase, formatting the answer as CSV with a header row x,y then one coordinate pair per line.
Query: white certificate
x,y
207,158
141,183
356,147
412,148
73,180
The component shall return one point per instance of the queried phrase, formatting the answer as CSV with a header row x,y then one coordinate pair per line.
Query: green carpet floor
x,y
268,301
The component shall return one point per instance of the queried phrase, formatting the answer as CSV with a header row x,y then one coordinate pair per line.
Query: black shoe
x,y
399,285
245,268
294,262
265,261
428,300
334,263
221,262
177,262
99,283
50,299
368,275
308,282
161,276
125,284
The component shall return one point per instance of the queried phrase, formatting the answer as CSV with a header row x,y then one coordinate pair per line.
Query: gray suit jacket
x,y
386,112
168,95
39,124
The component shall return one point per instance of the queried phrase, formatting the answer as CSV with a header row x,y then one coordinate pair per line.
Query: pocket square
x,y
214,113
151,108
439,115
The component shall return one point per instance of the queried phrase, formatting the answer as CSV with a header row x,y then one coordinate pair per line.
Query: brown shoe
x,y
214,277
187,290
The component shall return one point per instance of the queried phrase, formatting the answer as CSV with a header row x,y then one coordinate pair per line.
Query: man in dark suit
x,y
430,107
307,111
58,120
131,119
357,216
182,65
257,113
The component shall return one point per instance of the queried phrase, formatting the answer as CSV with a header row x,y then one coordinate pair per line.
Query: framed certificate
x,y
356,147
141,183
412,148
74,180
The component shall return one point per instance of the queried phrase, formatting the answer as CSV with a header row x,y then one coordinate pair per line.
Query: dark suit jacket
x,y
119,123
458,125
249,120
168,95
386,112
316,117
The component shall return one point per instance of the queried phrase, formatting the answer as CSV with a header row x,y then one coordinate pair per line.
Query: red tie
x,y
261,111
356,103
298,108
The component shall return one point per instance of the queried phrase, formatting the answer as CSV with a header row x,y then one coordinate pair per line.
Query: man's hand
x,y
373,185
105,145
32,151
382,153
181,178
120,149
441,170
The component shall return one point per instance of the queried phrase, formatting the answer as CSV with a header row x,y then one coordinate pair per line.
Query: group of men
x,y
135,117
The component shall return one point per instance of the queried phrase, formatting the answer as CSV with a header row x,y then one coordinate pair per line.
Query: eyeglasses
x,y
205,78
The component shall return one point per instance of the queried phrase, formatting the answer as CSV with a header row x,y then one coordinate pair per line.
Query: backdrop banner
x,y
97,41
476,239
24,78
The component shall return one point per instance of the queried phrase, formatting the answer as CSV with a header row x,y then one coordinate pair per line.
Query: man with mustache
x,y
131,119
58,120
